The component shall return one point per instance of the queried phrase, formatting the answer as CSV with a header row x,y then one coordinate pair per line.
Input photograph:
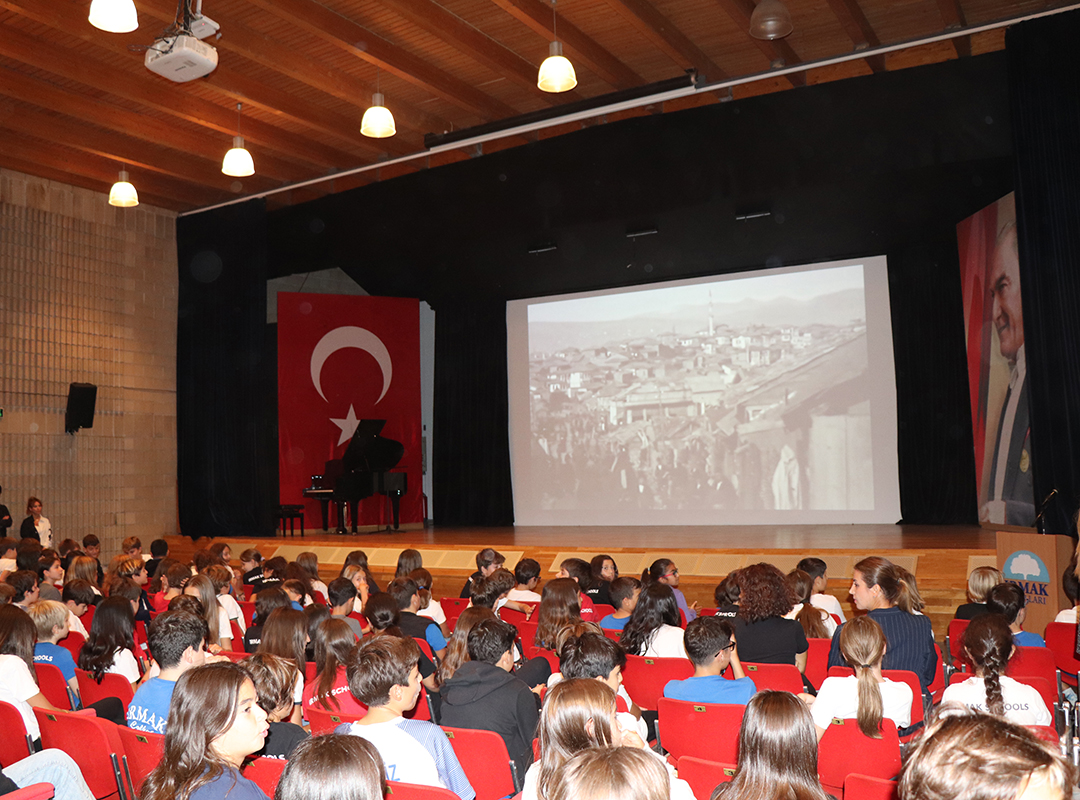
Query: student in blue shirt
x,y
178,643
624,593
710,643
1008,600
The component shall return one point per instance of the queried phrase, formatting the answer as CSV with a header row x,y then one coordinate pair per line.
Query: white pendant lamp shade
x,y
378,122
770,20
237,162
123,194
556,73
114,16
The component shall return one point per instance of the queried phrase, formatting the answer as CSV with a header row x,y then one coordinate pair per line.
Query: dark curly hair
x,y
764,593
656,606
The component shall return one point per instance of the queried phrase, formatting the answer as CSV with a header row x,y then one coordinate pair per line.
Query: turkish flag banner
x,y
341,359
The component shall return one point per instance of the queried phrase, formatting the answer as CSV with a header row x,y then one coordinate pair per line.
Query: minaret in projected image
x,y
711,331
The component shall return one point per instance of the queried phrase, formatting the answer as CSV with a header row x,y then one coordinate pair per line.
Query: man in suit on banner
x,y
1011,490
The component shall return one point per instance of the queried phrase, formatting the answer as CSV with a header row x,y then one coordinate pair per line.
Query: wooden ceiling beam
x,y
284,58
140,126
858,29
452,29
665,36
158,93
536,15
777,51
151,187
359,41
953,16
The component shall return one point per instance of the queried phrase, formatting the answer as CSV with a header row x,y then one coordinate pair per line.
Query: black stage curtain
x,y
226,446
1044,88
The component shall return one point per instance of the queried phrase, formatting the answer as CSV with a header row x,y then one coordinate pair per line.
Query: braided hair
x,y
989,644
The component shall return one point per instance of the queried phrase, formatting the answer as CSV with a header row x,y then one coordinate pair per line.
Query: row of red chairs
x,y
704,776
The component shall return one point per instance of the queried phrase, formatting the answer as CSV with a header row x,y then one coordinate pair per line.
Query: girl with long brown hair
x,y
560,606
217,619
865,696
335,644
816,623
285,634
83,568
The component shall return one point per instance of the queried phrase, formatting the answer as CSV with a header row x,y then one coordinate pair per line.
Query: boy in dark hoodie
x,y
484,695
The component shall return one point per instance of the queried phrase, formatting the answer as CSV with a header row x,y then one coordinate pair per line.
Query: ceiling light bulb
x,y
237,162
556,73
378,122
123,194
114,16
770,20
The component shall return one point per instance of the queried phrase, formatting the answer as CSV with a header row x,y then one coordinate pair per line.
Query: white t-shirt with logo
x,y
1023,704
16,687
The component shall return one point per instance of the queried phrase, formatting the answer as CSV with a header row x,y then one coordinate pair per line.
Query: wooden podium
x,y
1035,562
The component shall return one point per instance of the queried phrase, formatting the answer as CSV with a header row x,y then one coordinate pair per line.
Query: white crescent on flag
x,y
351,336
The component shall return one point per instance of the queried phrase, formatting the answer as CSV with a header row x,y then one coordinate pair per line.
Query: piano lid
x,y
368,451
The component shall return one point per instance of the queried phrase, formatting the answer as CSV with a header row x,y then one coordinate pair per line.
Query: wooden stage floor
x,y
940,556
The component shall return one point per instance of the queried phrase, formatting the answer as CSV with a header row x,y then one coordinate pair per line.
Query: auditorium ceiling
x,y
77,104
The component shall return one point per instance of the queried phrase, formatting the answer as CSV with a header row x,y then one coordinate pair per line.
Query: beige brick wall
x,y
87,294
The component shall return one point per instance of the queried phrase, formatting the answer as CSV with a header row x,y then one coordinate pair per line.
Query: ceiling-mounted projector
x,y
181,58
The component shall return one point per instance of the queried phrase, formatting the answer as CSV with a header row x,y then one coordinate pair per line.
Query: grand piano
x,y
364,471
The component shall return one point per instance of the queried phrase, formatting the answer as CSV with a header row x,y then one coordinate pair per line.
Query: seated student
x,y
527,577
342,596
384,676
493,592
1070,584
27,553
221,577
267,601
594,656
1008,600
50,574
483,694
580,572
111,644
407,595
274,678
383,615
159,551
177,643
710,643
653,628
487,561
7,555
334,647
664,571
817,569
51,766
172,582
83,568
333,766
91,545
274,571
816,622
611,773
603,571
973,756
25,584
980,582
132,546
51,620
624,593
78,596
251,565
429,606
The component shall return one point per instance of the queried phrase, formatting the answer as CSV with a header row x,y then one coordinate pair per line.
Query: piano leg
x,y
395,504
354,508
324,504
340,504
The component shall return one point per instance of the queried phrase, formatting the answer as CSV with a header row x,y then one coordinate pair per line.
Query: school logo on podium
x,y
1028,571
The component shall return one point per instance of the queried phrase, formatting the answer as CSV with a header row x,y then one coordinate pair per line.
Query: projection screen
x,y
764,397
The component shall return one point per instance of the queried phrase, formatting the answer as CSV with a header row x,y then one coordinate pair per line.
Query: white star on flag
x,y
348,426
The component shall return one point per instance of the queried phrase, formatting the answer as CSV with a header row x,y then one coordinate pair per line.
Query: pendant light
x,y
114,16
770,20
237,162
378,122
123,194
556,73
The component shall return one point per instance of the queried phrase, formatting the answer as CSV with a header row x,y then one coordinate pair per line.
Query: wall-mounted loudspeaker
x,y
82,397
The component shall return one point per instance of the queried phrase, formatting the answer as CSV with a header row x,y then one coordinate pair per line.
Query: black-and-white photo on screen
x,y
752,398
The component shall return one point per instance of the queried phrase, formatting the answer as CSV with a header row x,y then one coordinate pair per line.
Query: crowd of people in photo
x,y
537,662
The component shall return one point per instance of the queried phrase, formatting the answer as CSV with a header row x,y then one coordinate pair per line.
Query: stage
x,y
940,556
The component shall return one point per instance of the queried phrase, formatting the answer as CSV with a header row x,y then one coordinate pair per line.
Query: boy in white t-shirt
x,y
818,569
1071,586
385,677
527,575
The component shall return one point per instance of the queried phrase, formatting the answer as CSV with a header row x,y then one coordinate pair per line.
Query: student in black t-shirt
x,y
764,636
275,681
266,602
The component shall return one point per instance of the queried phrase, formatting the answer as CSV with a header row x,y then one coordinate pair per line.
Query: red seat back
x,y
1032,662
844,750
14,741
90,742
707,612
414,791
248,609
817,661
702,730
143,751
425,648
602,610
515,617
422,709
1048,733
954,638
266,772
1061,641
323,721
73,643
704,776
453,606
937,686
615,636
486,762
52,684
236,633
645,677
112,685
776,677
35,791
864,787
234,655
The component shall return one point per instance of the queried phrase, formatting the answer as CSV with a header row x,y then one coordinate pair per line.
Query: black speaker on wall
x,y
82,397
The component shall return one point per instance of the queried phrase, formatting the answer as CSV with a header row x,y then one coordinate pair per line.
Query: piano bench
x,y
290,513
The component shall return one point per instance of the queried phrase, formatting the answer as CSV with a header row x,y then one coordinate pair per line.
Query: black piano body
x,y
364,471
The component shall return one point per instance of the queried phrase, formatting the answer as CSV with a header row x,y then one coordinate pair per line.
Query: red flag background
x,y
355,349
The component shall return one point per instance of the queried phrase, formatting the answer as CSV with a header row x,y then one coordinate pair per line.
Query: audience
x,y
333,767
159,551
178,644
624,593
816,622
407,595
267,601
285,634
54,767
407,562
50,574
653,628
594,656
358,558
309,563
111,644
611,773
664,571
526,579
1008,600
385,677
221,578
78,596
51,620
342,596
580,572
383,615
764,635
274,678
710,643
560,606
487,561
457,648
217,618
1070,585
603,570
334,648
429,606
818,571
251,565
980,582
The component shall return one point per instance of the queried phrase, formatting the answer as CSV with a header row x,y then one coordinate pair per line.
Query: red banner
x,y
341,359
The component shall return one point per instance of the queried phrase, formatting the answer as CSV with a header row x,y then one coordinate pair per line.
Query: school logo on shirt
x,y
1028,571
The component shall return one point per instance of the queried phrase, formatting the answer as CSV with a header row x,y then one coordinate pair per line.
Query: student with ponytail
x,y
865,696
988,643
664,571
882,589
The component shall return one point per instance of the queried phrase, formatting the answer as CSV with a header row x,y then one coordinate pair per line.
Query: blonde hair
x,y
862,644
81,568
121,567
981,581
47,614
564,725
611,773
